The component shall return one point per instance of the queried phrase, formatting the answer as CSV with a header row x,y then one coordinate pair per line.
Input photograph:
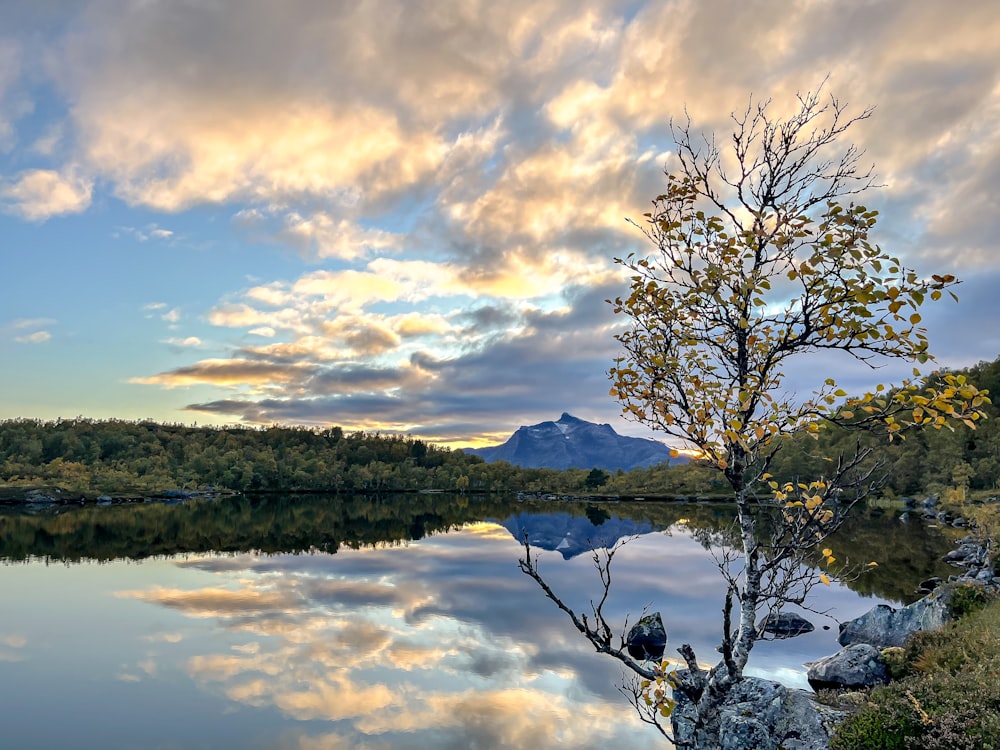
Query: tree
x,y
759,257
596,478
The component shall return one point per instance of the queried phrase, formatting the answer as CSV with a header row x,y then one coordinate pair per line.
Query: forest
x,y
121,458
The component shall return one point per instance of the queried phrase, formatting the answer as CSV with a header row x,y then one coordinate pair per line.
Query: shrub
x,y
967,599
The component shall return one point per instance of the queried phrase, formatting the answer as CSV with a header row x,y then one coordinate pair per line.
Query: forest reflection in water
x,y
427,637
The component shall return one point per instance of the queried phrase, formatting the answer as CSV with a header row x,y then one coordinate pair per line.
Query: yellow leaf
x,y
824,578
827,552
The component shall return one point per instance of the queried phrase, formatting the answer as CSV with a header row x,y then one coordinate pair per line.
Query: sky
x,y
403,216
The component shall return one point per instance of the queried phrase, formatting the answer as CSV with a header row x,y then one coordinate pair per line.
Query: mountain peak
x,y
571,442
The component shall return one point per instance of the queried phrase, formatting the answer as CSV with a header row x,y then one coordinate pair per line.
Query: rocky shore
x,y
56,496
766,715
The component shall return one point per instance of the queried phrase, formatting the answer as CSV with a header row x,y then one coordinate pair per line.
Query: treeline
x,y
119,457
123,458
927,461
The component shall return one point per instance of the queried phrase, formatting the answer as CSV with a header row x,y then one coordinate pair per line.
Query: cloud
x,y
28,330
40,194
145,234
228,372
435,196
513,364
190,342
319,235
38,337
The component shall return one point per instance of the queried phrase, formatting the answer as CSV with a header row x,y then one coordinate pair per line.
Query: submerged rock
x,y
785,625
929,585
647,640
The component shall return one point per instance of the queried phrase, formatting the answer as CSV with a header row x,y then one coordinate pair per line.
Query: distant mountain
x,y
575,443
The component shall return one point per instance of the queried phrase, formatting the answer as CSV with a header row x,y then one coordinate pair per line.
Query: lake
x,y
320,623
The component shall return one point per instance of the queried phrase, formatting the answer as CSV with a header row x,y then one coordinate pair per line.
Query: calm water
x,y
430,638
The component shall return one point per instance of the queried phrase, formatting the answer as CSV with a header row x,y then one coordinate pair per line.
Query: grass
x,y
948,697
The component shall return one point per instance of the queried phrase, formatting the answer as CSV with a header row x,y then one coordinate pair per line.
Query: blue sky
x,y
403,216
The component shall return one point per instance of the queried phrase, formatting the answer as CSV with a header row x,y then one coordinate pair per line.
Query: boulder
x,y
856,666
760,714
647,640
785,625
967,554
883,625
43,496
985,576
929,585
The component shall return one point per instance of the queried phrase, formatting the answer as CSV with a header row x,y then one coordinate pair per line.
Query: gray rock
x,y
762,715
785,625
42,496
967,553
856,666
648,638
883,626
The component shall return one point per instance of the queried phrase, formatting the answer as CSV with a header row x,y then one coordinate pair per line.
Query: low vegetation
x,y
947,696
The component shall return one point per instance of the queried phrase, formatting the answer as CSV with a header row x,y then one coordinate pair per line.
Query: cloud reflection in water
x,y
443,643
439,643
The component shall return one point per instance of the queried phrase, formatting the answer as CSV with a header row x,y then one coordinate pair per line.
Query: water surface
x,y
431,638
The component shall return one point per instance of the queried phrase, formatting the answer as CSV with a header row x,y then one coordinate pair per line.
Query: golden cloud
x,y
228,372
215,602
170,152
39,194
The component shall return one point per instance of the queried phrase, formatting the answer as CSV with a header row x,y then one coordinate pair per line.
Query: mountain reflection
x,y
907,554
